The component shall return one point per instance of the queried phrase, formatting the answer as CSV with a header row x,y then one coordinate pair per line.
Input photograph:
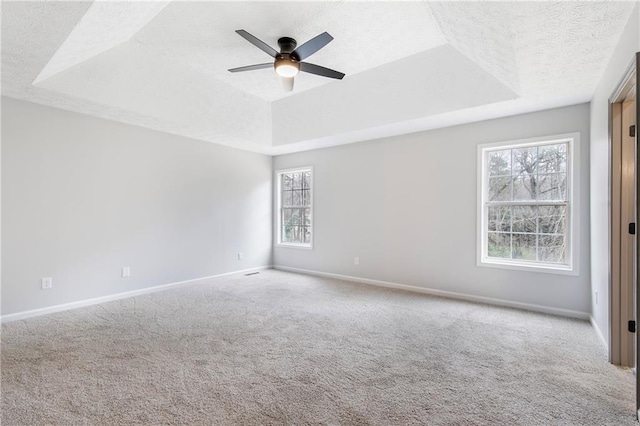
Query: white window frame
x,y
278,212
573,206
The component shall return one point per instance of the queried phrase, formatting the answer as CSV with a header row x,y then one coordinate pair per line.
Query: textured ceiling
x,y
410,66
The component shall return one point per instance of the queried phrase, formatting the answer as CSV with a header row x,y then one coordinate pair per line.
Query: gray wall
x,y
407,207
82,197
628,45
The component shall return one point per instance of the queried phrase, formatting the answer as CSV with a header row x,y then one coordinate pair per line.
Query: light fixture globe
x,y
286,66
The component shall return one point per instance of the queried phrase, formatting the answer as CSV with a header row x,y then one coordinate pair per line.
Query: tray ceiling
x,y
410,66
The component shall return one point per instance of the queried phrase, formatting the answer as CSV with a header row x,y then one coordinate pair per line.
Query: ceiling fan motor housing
x,y
287,44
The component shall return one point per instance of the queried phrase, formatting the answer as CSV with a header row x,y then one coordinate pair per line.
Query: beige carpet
x,y
280,348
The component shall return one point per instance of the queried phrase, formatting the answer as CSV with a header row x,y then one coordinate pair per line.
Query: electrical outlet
x,y
240,256
126,272
356,261
47,283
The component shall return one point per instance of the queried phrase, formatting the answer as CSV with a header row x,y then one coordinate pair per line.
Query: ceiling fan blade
x,y
252,67
312,46
287,83
258,43
318,70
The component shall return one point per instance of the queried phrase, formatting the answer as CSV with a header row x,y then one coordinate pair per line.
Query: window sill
x,y
528,267
295,246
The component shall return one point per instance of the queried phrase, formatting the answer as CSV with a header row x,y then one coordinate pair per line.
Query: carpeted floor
x,y
281,348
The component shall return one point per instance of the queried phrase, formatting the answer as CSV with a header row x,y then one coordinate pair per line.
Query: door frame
x,y
635,278
619,338
621,177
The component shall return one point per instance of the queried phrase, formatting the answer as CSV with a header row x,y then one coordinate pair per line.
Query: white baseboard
x,y
447,294
599,333
96,300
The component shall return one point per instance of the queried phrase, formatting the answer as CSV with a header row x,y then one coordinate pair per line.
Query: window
x,y
294,193
526,208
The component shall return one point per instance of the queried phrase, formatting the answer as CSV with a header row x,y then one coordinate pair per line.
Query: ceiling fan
x,y
288,62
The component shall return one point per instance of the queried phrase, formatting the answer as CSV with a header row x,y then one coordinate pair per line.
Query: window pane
x,y
524,219
307,234
552,158
307,217
525,161
524,188
500,163
286,182
293,234
290,224
552,249
286,198
553,187
499,245
286,216
297,180
306,197
500,189
296,198
524,246
306,182
552,219
499,218
288,233
297,234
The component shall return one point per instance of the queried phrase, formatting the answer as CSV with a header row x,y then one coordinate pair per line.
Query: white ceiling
x,y
410,66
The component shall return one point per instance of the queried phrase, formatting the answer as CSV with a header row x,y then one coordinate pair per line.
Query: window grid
x,y
295,222
547,247
537,234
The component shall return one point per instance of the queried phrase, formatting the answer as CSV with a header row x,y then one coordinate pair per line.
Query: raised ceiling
x,y
410,66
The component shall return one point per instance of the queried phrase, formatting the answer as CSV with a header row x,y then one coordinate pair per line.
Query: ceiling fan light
x,y
287,68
